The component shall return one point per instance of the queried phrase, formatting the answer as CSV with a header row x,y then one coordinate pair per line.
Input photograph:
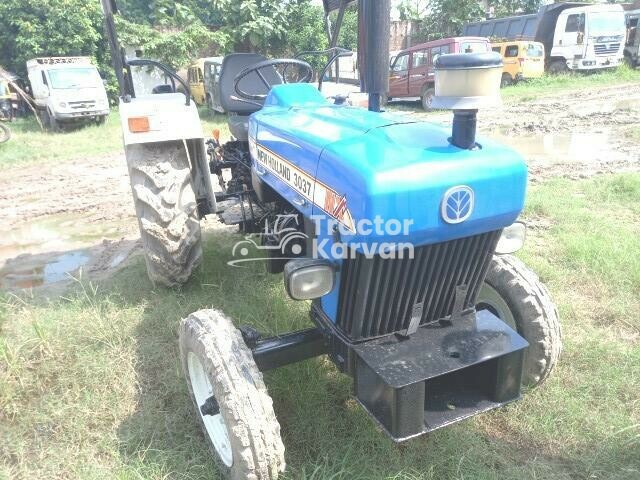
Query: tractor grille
x,y
606,48
377,294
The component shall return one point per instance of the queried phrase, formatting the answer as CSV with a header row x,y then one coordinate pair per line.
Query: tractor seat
x,y
239,110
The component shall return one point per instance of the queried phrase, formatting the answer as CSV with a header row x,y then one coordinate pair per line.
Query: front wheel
x,y
558,67
5,133
231,401
514,294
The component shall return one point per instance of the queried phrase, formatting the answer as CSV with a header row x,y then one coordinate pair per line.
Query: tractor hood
x,y
382,168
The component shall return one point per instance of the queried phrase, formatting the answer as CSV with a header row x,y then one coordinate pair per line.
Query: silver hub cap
x,y
214,424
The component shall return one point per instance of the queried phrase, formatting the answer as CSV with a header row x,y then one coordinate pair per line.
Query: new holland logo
x,y
457,204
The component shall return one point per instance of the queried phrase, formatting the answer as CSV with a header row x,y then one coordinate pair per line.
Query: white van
x,y
67,90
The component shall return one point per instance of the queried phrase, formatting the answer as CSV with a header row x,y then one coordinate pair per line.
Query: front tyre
x,y
232,404
5,133
166,209
558,67
514,293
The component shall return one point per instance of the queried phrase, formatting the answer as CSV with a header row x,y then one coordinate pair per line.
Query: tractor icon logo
x,y
457,204
287,245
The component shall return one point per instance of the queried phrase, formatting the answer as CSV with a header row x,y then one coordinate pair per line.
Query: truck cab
x,y
412,73
589,37
632,40
67,90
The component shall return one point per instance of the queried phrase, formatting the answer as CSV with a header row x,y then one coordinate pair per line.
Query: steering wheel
x,y
258,67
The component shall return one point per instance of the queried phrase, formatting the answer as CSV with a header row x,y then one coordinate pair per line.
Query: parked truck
x,y
67,90
576,36
632,40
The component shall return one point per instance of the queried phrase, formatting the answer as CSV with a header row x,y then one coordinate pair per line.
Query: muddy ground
x,y
65,219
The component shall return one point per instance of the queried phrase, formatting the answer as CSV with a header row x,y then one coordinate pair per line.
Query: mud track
x,y
62,218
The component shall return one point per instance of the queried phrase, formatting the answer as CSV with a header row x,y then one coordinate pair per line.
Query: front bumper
x,y
443,373
596,63
76,116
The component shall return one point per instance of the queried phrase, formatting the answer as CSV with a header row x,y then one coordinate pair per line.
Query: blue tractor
x,y
397,232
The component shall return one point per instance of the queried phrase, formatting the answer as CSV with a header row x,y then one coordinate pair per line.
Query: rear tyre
x,y
514,293
166,209
242,432
427,99
5,133
506,80
558,67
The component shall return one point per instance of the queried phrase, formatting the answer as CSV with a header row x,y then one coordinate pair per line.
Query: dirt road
x,y
56,219
575,135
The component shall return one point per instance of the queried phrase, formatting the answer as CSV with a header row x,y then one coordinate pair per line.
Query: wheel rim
x,y
213,424
490,299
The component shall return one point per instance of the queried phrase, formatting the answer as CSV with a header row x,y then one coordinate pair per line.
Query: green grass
x,y
91,387
549,84
29,144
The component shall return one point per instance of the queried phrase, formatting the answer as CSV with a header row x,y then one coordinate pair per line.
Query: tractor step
x,y
439,375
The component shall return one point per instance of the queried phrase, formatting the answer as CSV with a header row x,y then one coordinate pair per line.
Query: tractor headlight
x,y
512,238
306,278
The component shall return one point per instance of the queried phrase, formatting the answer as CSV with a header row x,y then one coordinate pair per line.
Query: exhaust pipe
x,y
374,24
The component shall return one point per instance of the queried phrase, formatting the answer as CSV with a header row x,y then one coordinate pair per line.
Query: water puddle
x,y
55,233
559,147
36,271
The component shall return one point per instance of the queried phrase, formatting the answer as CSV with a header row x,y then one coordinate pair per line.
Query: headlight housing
x,y
63,104
306,278
512,238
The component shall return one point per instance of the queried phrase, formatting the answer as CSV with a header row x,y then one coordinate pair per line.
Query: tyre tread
x,y
238,383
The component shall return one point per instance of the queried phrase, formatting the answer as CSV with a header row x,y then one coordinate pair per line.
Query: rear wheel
x,y
514,294
232,404
557,67
166,209
427,98
5,133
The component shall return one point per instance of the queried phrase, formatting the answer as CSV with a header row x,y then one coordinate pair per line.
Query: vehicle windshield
x,y
534,50
606,23
474,47
62,78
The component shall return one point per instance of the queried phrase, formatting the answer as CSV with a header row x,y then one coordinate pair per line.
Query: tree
x,y
506,8
413,9
49,28
254,25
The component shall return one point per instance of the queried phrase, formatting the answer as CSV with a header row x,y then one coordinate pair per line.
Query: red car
x,y
412,69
